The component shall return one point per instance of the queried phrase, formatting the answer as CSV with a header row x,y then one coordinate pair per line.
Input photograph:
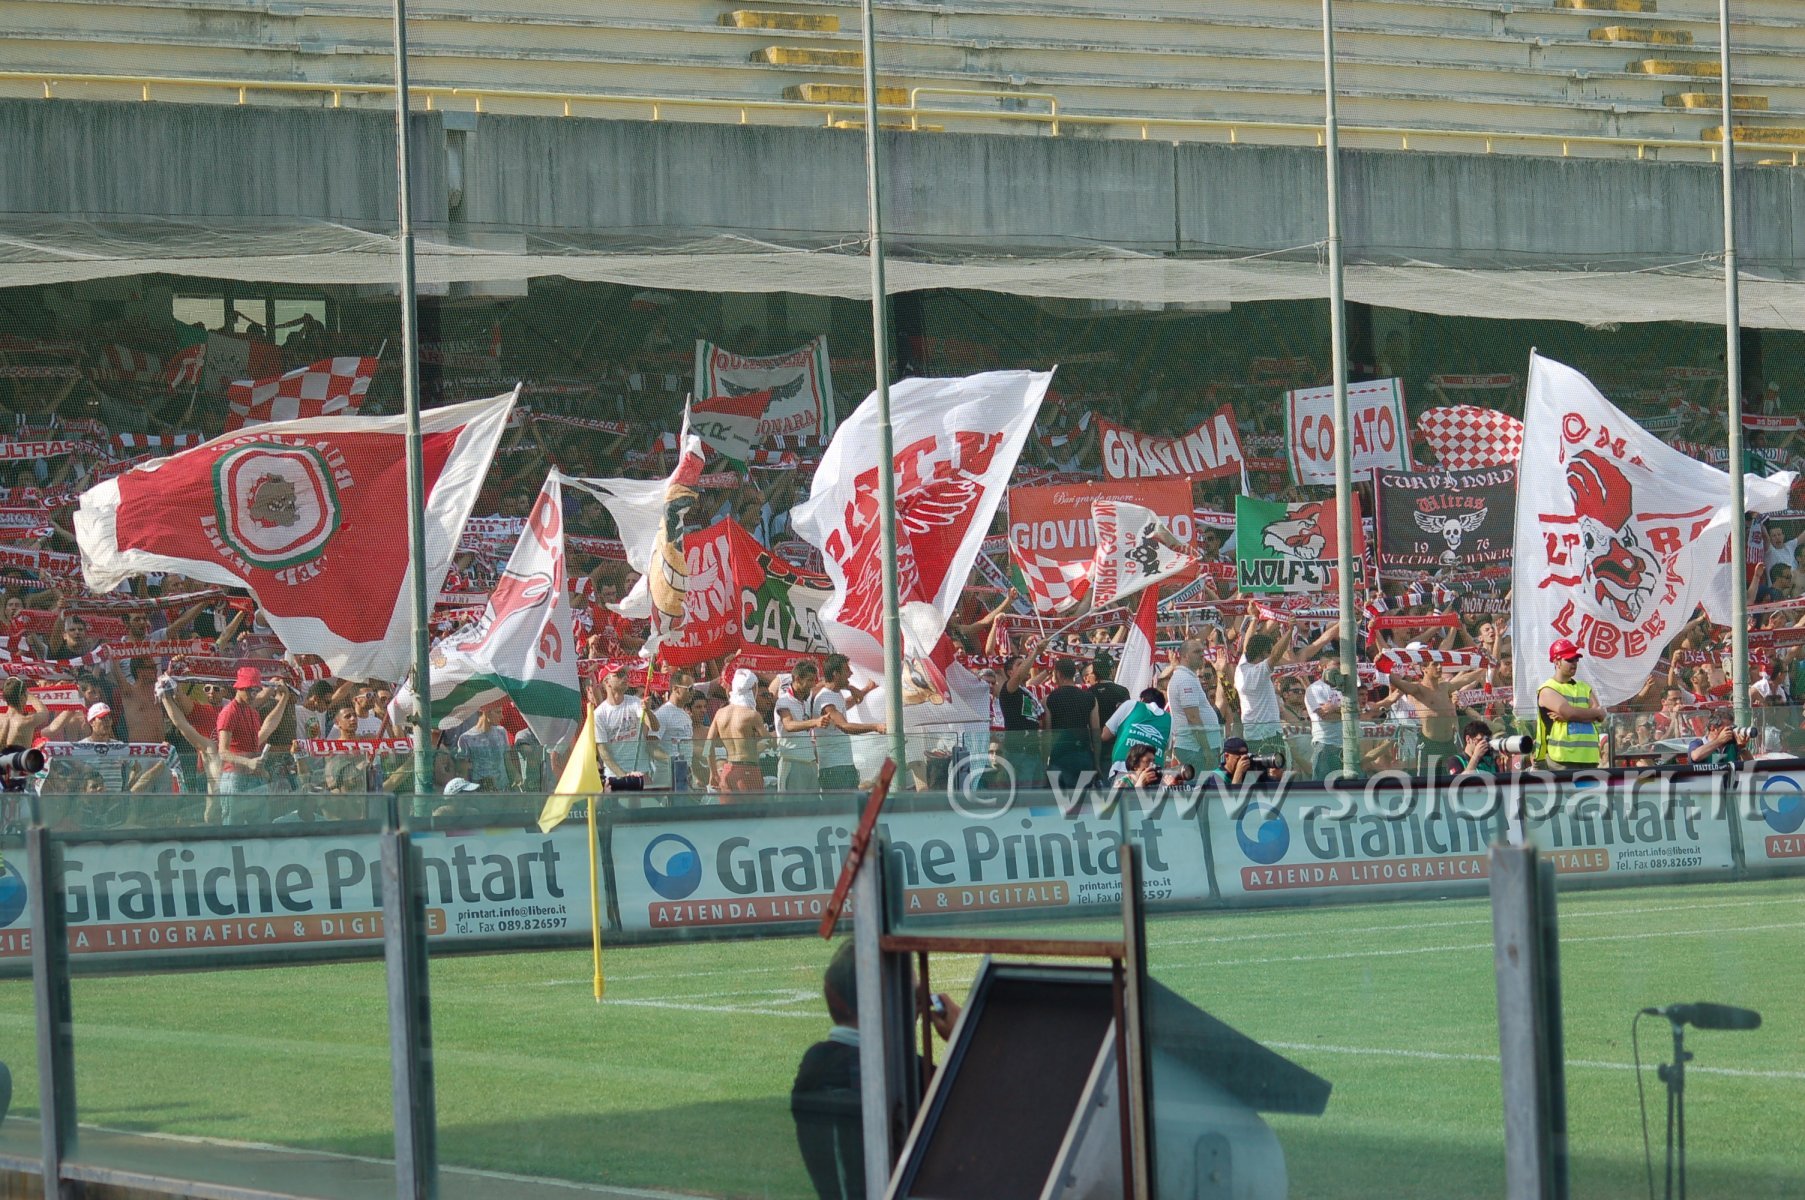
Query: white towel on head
x,y
745,689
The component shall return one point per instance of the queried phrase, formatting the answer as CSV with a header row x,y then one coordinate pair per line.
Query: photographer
x,y
1723,746
1238,763
1476,754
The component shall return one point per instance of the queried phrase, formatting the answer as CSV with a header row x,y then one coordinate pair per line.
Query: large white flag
x,y
522,647
1619,537
652,515
956,442
1134,549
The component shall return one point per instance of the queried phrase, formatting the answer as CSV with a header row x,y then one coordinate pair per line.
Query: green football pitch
x,y
679,1080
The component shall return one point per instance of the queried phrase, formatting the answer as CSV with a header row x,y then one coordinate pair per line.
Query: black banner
x,y
1446,520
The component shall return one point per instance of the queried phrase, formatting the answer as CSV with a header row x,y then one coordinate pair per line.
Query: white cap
x,y
1414,646
460,785
97,711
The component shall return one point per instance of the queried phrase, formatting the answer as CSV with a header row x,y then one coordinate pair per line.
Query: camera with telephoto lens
x,y
1743,733
1266,762
1513,743
635,782
18,764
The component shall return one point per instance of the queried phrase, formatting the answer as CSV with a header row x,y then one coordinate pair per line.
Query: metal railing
x,y
432,98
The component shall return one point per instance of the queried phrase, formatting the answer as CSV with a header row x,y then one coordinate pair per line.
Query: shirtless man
x,y
136,684
1434,696
23,718
738,728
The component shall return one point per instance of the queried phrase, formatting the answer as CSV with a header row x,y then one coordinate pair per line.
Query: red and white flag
x,y
1619,537
956,442
1135,670
1466,437
652,516
728,425
1134,549
184,367
310,516
123,364
1052,587
321,389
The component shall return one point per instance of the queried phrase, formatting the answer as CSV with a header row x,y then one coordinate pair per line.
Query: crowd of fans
x,y
259,733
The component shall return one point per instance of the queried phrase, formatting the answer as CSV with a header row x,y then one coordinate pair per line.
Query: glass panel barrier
x,y
712,981
213,1039
1677,888
18,1028
1345,943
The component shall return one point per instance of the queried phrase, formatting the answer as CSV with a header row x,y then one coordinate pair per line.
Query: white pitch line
x,y
1483,920
1584,1063
1402,951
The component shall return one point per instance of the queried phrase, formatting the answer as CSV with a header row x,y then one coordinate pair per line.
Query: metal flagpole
x,y
1344,482
410,392
1739,537
880,354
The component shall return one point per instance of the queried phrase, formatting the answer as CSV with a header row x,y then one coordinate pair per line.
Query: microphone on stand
x,y
1701,1015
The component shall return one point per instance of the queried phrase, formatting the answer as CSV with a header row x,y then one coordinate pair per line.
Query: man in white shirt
x,y
1196,727
676,735
1261,723
619,736
1322,700
833,743
796,723
1780,548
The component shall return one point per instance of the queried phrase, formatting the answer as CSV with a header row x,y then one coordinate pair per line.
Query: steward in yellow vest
x,y
1567,715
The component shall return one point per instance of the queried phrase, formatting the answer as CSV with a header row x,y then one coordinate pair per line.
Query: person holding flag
x,y
1567,714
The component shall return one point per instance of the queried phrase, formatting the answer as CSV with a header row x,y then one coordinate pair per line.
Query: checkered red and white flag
x,y
1053,587
1466,437
321,389
122,364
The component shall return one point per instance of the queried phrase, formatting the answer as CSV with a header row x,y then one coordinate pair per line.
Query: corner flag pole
x,y
880,354
595,894
410,394
1344,483
1739,537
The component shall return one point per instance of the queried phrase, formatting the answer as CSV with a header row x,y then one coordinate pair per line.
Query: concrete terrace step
x,y
1652,37
799,22
1771,134
1636,6
842,94
1711,100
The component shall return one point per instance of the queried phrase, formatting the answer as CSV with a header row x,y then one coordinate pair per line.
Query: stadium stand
x,y
1571,69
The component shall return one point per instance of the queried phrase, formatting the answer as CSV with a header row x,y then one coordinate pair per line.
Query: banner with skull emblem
x,y
1458,521
1619,537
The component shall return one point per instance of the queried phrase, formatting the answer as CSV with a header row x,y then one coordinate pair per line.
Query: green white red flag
x,y
521,647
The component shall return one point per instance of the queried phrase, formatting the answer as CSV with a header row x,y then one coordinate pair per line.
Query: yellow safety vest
x,y
1562,743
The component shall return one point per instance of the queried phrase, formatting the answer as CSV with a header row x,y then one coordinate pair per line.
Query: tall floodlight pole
x,y
1344,482
1739,537
410,393
880,357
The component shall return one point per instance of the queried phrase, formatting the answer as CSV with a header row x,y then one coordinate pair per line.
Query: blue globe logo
x,y
673,867
12,895
1271,835
1787,813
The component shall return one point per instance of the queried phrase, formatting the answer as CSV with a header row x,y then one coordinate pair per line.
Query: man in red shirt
x,y
243,732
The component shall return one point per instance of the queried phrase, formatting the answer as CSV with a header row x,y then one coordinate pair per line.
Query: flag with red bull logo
x,y
1619,537
521,647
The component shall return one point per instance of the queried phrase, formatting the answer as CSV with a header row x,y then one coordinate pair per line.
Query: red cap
x,y
248,677
1562,650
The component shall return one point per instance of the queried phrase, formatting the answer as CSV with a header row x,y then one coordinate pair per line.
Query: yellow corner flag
x,y
582,777
582,780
